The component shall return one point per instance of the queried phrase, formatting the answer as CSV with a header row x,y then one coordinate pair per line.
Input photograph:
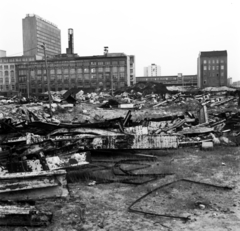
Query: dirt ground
x,y
105,206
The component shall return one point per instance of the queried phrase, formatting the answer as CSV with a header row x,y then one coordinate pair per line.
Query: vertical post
x,y
48,83
112,84
28,77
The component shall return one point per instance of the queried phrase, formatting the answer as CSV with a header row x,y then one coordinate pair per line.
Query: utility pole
x,y
48,83
28,74
112,83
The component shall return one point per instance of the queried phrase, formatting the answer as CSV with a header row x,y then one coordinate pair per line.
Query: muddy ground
x,y
105,206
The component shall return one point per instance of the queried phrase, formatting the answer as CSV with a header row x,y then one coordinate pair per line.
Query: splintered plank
x,y
196,130
31,174
13,185
94,131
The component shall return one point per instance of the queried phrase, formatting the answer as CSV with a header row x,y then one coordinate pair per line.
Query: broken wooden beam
x,y
198,130
222,102
94,131
16,215
130,142
33,185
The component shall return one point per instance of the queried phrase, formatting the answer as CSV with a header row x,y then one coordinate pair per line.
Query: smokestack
x,y
105,50
70,42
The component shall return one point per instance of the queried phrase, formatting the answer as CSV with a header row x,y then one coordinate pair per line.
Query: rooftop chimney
x,y
105,50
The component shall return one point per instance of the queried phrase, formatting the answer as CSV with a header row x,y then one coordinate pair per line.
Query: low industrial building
x,y
172,80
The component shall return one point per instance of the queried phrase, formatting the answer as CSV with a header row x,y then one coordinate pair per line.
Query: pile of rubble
x,y
37,149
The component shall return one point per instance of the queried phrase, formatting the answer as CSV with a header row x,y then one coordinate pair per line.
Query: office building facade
x,y
8,77
212,69
172,80
70,71
37,31
152,70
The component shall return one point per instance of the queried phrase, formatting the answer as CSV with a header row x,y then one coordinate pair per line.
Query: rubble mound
x,y
146,88
218,89
110,103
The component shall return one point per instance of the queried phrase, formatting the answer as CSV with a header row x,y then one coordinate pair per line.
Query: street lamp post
x,y
48,83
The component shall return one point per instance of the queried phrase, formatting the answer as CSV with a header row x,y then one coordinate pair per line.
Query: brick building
x,y
8,77
68,71
212,69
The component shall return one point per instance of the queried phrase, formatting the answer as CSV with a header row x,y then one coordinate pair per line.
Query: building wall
x,y
2,53
8,76
131,70
152,70
81,72
29,28
229,81
236,84
199,72
37,31
173,80
212,69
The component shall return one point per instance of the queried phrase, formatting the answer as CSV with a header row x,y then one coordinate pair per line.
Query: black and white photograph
x,y
120,115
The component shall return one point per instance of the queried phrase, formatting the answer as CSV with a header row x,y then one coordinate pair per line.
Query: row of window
x,y
49,28
50,43
107,76
7,87
55,37
49,46
212,67
213,74
213,61
93,81
6,67
13,60
6,73
73,63
73,71
7,80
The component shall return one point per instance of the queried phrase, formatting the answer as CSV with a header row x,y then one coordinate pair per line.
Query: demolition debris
x,y
38,150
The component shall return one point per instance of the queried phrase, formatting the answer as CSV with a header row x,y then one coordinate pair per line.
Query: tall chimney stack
x,y
70,42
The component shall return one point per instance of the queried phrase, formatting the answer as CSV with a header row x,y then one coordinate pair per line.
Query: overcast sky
x,y
169,33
